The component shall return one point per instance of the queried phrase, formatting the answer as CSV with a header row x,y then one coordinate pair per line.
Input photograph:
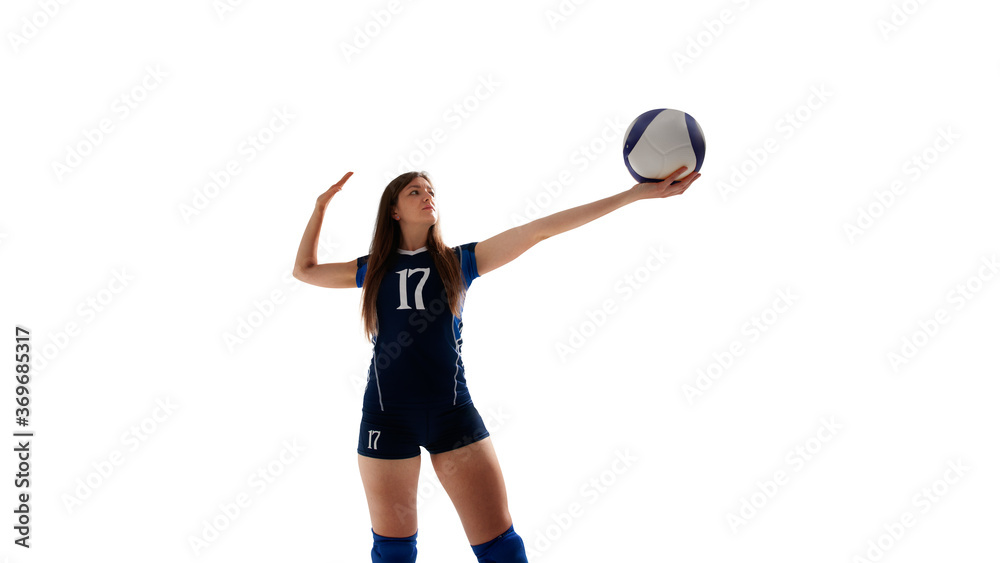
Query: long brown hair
x,y
382,254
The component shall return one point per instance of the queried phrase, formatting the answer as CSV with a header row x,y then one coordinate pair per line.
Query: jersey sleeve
x,y
467,254
362,269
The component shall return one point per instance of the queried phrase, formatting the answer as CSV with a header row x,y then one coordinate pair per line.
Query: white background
x,y
105,353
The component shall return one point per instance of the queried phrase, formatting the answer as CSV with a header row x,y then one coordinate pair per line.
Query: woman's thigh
x,y
391,488
471,476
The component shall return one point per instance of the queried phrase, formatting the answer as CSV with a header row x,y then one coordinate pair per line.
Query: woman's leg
x,y
466,463
471,476
391,488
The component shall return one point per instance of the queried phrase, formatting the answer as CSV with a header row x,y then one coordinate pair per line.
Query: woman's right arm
x,y
337,274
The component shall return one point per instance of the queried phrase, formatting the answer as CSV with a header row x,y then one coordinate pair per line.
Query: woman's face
x,y
416,203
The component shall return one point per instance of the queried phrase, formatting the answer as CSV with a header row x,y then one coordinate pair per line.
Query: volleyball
x,y
660,141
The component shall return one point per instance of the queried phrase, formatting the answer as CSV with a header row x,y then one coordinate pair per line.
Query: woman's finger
x,y
344,179
673,175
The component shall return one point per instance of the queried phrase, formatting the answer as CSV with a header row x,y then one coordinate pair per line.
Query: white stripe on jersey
x,y
377,386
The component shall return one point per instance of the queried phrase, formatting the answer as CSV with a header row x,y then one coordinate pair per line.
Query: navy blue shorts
x,y
399,434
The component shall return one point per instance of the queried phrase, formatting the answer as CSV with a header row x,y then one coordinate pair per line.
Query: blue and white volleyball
x,y
660,141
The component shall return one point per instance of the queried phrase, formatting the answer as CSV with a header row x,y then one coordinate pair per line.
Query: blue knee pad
x,y
505,548
394,550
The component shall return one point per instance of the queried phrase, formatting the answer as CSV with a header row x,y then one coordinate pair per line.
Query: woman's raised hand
x,y
326,196
664,188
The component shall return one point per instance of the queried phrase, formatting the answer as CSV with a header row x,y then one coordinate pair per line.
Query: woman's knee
x,y
508,547
394,549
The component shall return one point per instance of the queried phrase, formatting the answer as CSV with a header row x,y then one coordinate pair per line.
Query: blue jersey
x,y
417,353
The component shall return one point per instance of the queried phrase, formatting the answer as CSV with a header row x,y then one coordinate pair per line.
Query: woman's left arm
x,y
502,248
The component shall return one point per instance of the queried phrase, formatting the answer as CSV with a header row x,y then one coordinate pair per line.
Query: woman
x,y
413,289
